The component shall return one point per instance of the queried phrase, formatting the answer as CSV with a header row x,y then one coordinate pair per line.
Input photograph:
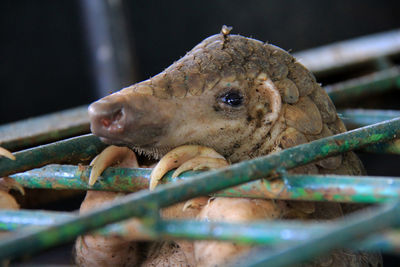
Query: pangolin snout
x,y
130,118
107,117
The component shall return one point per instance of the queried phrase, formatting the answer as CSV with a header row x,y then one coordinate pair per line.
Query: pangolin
x,y
243,98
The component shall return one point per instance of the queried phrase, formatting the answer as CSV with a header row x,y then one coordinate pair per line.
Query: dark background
x,y
45,64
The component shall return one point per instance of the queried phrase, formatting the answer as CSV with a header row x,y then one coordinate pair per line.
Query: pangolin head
x,y
229,93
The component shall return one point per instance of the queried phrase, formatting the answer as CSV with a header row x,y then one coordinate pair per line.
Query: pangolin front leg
x,y
95,250
188,157
6,184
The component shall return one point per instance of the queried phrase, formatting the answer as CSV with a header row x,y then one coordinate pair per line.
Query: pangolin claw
x,y
5,153
179,156
200,163
106,158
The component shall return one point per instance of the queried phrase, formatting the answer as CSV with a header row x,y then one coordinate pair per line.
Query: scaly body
x,y
243,98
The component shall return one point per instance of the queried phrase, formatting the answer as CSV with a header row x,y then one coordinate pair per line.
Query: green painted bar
x,y
273,233
359,189
44,129
375,83
32,240
391,147
76,149
11,220
334,188
355,118
348,231
261,232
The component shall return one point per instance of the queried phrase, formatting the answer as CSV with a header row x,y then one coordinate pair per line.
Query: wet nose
x,y
107,116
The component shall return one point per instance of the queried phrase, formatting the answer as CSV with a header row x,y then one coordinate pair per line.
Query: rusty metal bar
x,y
77,149
391,147
273,233
44,129
359,189
258,232
359,87
355,118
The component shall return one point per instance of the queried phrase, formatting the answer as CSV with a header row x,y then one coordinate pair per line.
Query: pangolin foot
x,y
184,158
112,155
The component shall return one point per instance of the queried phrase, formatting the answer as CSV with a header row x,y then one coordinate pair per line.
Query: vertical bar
x,y
108,44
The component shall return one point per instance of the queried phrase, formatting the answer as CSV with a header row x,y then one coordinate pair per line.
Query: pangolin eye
x,y
232,98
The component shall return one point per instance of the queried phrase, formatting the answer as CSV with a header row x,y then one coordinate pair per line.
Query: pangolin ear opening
x,y
271,93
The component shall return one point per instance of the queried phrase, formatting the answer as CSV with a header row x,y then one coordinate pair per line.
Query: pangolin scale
x,y
243,98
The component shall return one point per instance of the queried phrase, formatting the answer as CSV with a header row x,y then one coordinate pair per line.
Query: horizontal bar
x,y
391,147
349,231
355,118
136,204
351,52
11,220
359,87
273,233
44,129
77,149
259,232
359,189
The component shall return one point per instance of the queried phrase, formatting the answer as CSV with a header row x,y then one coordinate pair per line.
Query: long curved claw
x,y
106,158
7,183
200,163
5,153
177,157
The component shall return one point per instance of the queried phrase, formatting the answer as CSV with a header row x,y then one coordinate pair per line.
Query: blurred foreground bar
x,y
336,56
45,129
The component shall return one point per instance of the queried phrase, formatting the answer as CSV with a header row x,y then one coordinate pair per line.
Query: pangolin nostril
x,y
113,121
105,122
